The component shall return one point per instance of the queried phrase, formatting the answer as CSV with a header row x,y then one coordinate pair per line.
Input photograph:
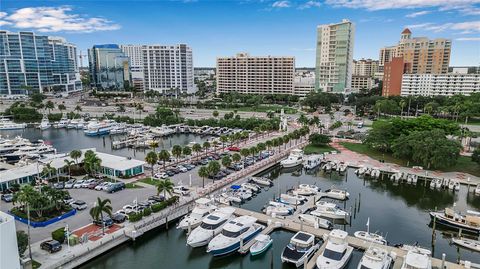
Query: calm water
x,y
399,212
66,140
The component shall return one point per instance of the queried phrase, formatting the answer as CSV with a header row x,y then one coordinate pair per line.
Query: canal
x,y
397,211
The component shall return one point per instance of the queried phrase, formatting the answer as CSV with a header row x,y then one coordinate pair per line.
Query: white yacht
x,y
329,210
436,183
469,222
312,161
6,124
453,185
45,123
337,194
251,186
63,122
412,179
375,258
316,222
211,226
342,167
72,124
234,235
95,128
467,243
291,199
81,124
306,190
337,252
371,237
203,207
300,248
261,181
295,158
416,259
278,209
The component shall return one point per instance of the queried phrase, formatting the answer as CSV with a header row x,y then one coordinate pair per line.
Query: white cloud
x,y
281,4
56,19
389,4
309,4
468,39
459,27
416,14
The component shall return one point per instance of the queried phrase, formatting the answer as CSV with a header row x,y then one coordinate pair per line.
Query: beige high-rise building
x,y
255,74
386,55
365,67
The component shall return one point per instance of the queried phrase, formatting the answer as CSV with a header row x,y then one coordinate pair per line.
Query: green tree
x,y
154,145
78,108
164,156
197,148
203,173
236,157
319,139
48,170
213,168
49,105
151,159
22,242
91,162
215,113
245,152
223,140
75,154
101,206
206,146
61,107
476,155
177,151
261,146
165,186
68,165
226,161
187,151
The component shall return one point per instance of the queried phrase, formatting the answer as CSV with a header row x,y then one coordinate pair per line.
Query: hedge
x,y
59,235
147,211
134,217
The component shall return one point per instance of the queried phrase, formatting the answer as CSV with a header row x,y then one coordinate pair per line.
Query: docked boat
x,y
337,252
306,190
342,167
203,207
35,150
412,179
279,209
300,248
234,235
63,123
312,161
45,123
261,244
295,158
371,237
454,185
360,171
329,210
291,199
95,128
436,183
375,258
477,189
327,167
232,197
417,259
261,181
72,124
467,243
210,226
316,222
469,222
337,194
81,124
375,173
397,176
6,124
251,186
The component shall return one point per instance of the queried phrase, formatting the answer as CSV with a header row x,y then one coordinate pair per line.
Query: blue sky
x,y
261,27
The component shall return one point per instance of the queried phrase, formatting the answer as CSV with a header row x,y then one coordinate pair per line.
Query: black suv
x,y
51,246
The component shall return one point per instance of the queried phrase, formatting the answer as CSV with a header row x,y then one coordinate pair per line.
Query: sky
x,y
214,28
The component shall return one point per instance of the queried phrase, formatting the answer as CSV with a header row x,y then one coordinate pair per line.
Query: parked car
x,y
170,173
158,198
51,246
218,176
226,171
129,209
203,161
59,185
162,175
181,190
102,186
68,200
233,148
78,184
114,187
79,205
144,204
182,168
107,221
119,217
93,185
70,184
7,197
87,182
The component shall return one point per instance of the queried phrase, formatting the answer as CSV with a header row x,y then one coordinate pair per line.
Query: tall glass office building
x,y
109,67
36,63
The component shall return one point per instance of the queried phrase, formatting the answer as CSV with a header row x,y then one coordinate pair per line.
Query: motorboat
x,y
63,122
469,222
34,150
6,124
327,167
234,235
231,196
417,259
45,123
467,243
81,124
375,258
203,207
261,244
312,161
261,181
360,171
337,252
95,128
316,222
295,158
415,248
436,183
251,186
412,179
336,194
72,124
368,171
371,237
454,185
279,209
477,189
397,176
210,226
375,173
306,190
329,210
342,167
300,248
291,199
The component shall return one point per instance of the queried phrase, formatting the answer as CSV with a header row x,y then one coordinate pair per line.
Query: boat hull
x,y
235,246
435,216
256,252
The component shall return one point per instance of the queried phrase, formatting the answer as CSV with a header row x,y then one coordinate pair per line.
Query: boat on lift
x,y
300,248
454,185
375,258
436,183
336,194
477,189
316,221
371,237
337,252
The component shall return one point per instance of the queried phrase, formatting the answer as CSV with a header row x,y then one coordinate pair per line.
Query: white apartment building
x,y
9,257
334,60
440,84
255,74
365,67
135,53
168,69
304,83
362,82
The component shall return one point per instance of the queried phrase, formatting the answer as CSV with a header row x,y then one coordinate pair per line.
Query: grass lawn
x,y
132,186
464,164
36,264
149,180
311,149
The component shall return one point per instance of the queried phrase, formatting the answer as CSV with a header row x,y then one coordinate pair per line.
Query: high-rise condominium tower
x,y
334,57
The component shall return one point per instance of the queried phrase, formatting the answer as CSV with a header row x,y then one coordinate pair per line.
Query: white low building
x,y
440,84
9,257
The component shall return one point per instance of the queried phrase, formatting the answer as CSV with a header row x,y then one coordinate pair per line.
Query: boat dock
x,y
295,226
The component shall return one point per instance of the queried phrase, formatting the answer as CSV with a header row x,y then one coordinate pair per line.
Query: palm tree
x,y
213,168
78,108
68,164
206,146
196,148
245,152
154,145
261,146
187,151
177,151
223,140
236,157
165,186
164,156
151,159
253,150
75,154
285,139
226,161
49,105
203,173
48,170
215,145
101,206
403,103
269,144
91,162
